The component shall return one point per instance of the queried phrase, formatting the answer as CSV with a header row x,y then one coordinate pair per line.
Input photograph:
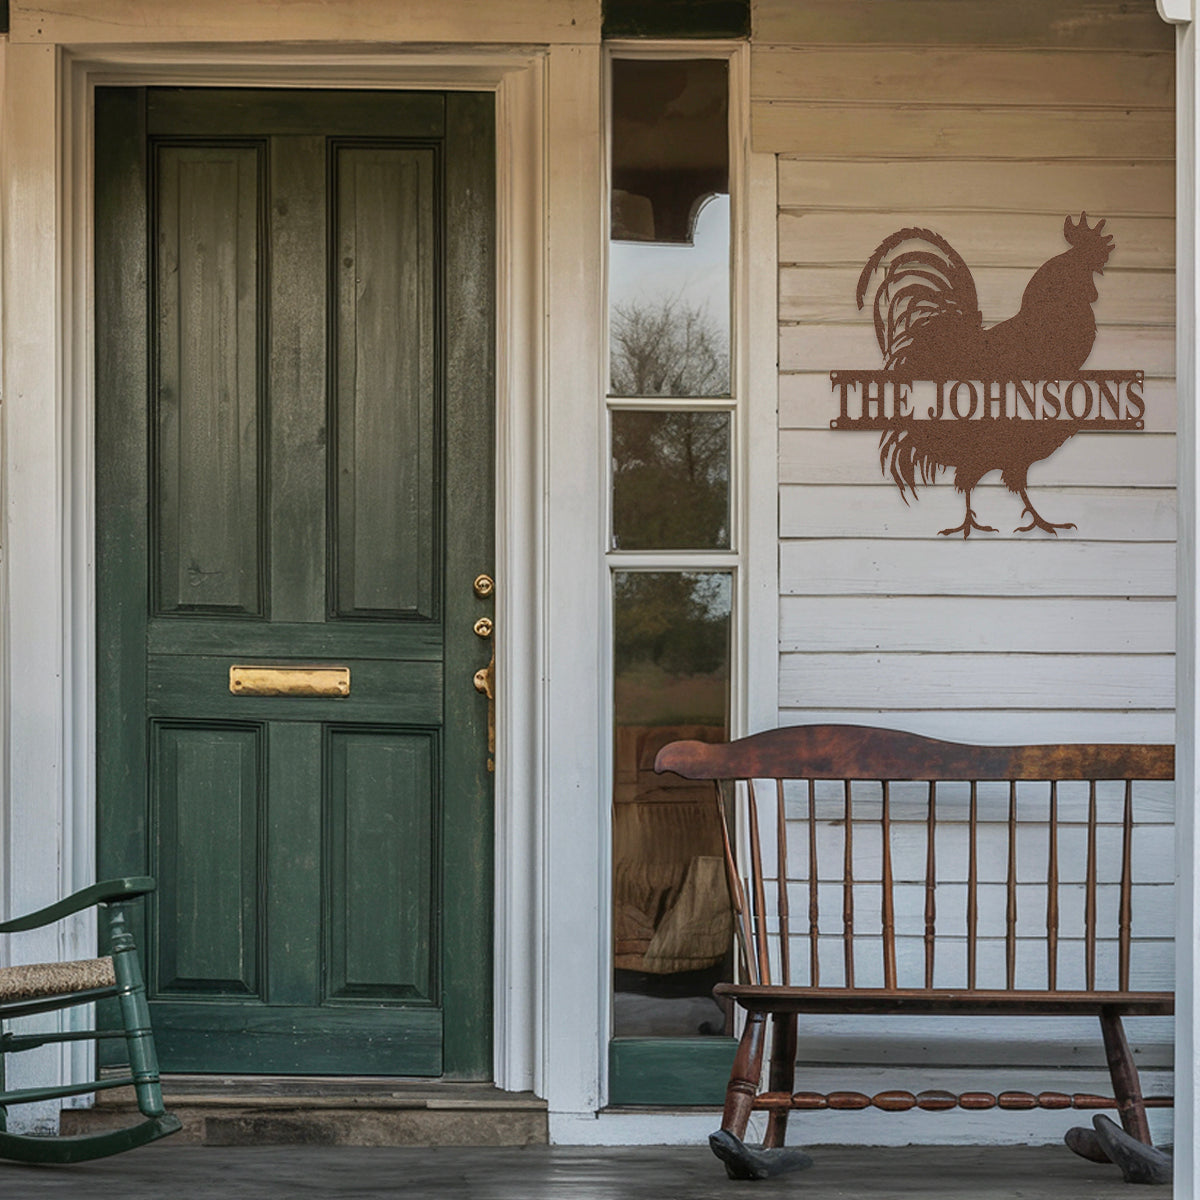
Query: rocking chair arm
x,y
107,892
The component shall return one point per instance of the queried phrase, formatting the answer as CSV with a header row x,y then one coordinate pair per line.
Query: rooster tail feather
x,y
901,457
918,285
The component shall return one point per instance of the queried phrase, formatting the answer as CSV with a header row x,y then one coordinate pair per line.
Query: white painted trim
x,y
1187,682
35,623
49,846
753,558
1176,11
574,835
520,404
760,425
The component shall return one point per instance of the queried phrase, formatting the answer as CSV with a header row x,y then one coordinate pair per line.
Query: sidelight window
x,y
673,555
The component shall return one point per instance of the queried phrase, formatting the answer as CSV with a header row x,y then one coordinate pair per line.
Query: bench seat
x,y
944,1001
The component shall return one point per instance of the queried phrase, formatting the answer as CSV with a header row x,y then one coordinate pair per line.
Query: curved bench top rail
x,y
864,752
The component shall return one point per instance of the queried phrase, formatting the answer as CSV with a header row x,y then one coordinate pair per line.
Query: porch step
x,y
274,1110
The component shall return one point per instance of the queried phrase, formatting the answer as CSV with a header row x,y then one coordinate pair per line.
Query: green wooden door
x,y
294,299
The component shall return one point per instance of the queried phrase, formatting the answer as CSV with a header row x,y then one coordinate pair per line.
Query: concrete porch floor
x,y
565,1173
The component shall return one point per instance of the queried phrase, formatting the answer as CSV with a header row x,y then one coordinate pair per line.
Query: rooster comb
x,y
1088,237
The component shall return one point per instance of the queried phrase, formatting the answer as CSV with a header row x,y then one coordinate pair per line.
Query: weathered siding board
x,y
381,21
982,681
933,566
1142,514
992,625
918,131
1009,240
881,74
1119,459
821,346
823,293
1137,189
987,124
1071,24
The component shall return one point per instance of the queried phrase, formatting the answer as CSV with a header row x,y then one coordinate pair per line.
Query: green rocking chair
x,y
44,987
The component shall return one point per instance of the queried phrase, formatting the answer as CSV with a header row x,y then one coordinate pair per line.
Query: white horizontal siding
x,y
992,625
1140,459
989,128
949,566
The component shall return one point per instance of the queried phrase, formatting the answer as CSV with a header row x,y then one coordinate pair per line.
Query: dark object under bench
x,y
788,784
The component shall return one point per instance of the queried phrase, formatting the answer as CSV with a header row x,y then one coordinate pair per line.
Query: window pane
x,y
672,923
669,249
670,480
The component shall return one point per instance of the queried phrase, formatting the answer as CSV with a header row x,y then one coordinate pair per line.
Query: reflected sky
x,y
698,274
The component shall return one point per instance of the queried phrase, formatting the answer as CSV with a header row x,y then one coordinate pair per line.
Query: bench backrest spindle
x,y
1125,918
1010,899
940,819
848,886
930,884
814,906
781,886
888,898
1052,890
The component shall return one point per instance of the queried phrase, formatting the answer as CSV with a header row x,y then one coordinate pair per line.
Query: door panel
x,y
294,449
384,486
206,812
205,452
381,868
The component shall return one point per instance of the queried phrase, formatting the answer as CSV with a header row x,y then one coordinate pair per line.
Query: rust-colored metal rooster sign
x,y
956,395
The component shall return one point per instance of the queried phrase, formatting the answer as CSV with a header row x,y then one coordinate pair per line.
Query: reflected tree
x,y
670,480
667,347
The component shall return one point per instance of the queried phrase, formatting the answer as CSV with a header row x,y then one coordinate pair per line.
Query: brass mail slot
x,y
289,681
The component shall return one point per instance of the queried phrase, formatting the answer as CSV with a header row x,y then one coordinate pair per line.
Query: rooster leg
x,y
969,523
1037,521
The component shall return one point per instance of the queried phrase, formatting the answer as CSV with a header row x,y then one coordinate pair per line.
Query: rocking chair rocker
x,y
44,987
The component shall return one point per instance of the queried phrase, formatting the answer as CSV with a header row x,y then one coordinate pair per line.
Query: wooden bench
x,y
798,807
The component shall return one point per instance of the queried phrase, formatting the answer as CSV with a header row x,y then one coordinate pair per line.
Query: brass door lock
x,y
484,586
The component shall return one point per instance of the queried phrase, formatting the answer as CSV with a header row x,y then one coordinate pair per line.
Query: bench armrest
x,y
107,892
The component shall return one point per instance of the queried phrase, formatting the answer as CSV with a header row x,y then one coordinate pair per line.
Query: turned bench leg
x,y
782,1072
745,1077
1128,1145
742,1161
1127,1087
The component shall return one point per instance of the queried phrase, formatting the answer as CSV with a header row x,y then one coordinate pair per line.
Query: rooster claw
x,y
1037,521
968,524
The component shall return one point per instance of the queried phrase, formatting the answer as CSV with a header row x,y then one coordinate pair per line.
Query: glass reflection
x,y
669,269
672,920
670,480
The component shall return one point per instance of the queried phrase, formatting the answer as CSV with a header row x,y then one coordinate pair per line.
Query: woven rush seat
x,y
116,981
35,980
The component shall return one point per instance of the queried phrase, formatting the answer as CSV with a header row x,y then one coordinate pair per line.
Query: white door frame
x,y
548,503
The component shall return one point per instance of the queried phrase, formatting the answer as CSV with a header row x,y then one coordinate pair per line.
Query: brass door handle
x,y
485,682
485,677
